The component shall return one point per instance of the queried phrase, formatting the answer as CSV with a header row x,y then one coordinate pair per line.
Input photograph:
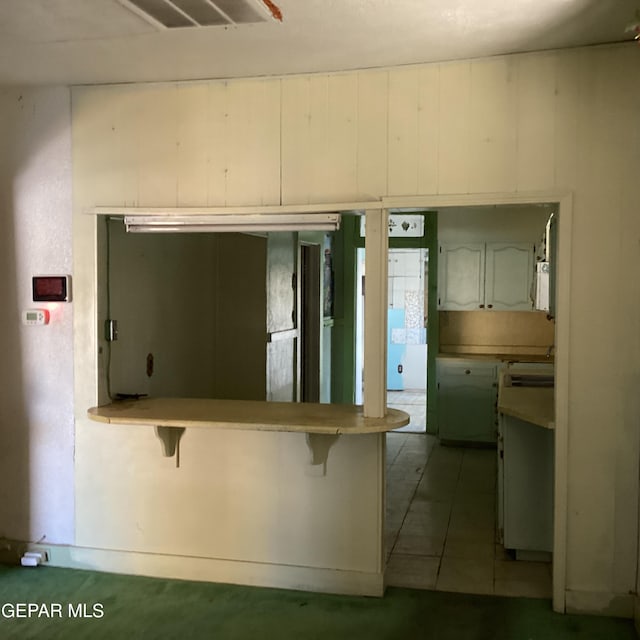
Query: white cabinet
x,y
525,486
461,276
496,276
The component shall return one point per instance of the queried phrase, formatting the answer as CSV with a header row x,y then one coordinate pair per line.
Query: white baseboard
x,y
618,605
215,570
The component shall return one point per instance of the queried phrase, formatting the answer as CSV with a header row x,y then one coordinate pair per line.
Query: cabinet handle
x,y
467,371
490,306
481,306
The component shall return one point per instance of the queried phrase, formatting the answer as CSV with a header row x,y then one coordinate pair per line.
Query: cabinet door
x,y
509,276
467,396
461,277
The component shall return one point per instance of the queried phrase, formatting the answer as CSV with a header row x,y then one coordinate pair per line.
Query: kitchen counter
x,y
501,357
531,404
307,417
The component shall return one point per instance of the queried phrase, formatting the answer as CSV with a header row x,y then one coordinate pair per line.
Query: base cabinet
x,y
525,485
467,400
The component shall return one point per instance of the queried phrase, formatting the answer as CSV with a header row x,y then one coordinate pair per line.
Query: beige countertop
x,y
531,404
254,415
502,357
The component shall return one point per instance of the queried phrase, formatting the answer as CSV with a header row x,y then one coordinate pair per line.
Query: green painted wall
x,y
346,241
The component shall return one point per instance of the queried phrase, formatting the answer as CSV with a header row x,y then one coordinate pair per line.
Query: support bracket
x,y
170,438
319,445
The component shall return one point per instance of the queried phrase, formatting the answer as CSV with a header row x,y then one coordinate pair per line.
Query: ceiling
x,y
103,41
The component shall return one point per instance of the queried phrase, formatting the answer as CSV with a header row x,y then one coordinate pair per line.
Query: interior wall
x,y
36,368
240,324
553,120
521,223
162,292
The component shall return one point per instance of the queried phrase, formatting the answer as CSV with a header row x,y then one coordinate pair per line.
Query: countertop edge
x,y
526,417
129,414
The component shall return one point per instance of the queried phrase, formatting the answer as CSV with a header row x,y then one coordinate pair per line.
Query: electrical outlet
x,y
44,551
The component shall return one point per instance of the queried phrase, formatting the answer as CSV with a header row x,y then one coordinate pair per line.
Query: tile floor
x,y
414,402
440,527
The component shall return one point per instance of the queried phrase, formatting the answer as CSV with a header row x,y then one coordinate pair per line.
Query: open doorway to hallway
x,y
408,277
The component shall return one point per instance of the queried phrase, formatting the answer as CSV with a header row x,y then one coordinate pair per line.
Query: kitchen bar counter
x,y
531,404
307,417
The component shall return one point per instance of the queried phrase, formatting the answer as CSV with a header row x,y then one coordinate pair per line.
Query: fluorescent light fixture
x,y
239,223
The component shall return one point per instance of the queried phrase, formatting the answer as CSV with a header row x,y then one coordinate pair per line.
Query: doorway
x,y
407,318
441,502
310,296
412,314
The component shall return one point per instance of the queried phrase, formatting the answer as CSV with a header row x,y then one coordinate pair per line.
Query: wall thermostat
x,y
35,316
51,288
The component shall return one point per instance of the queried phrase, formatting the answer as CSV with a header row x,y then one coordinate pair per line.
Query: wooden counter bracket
x,y
170,438
319,445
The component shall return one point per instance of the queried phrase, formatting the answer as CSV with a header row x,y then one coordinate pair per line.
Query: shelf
x,y
170,417
303,417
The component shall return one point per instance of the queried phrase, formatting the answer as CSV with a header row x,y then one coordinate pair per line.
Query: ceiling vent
x,y
176,14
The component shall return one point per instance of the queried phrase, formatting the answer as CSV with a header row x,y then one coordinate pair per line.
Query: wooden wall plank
x,y
244,175
492,143
128,115
253,142
216,137
342,136
568,117
157,148
535,166
454,134
98,147
372,116
294,135
628,341
403,131
192,144
428,128
270,153
319,141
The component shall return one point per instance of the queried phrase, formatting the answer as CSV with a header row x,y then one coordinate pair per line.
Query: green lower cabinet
x,y
467,401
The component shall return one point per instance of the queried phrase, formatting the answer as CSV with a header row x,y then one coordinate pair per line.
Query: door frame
x,y
564,200
429,240
310,317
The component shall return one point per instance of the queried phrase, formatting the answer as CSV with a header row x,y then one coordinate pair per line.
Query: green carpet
x,y
138,607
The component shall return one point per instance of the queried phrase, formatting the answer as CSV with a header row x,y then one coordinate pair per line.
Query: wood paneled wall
x,y
555,120
503,124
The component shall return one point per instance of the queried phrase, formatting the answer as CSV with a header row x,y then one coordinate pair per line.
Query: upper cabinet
x,y
493,276
461,276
